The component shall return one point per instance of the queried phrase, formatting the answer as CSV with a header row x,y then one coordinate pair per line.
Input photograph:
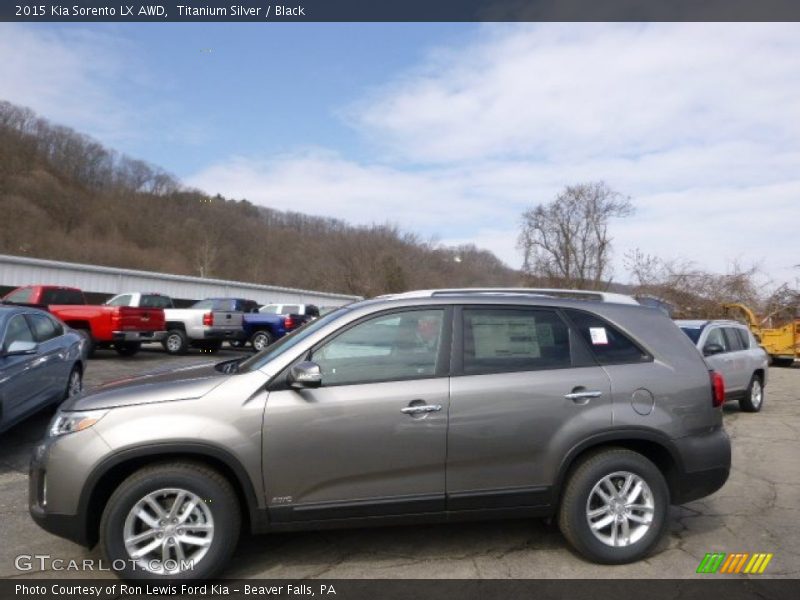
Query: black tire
x,y
754,397
573,514
260,340
176,342
127,348
220,500
70,391
88,341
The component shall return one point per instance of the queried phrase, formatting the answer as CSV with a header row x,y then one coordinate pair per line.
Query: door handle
x,y
420,409
583,395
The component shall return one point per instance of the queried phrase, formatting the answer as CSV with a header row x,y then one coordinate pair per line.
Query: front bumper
x,y
138,336
69,526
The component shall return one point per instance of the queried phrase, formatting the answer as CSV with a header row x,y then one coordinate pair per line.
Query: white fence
x,y
20,270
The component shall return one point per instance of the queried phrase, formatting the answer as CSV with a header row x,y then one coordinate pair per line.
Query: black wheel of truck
x,y
260,340
127,348
178,520
176,342
614,507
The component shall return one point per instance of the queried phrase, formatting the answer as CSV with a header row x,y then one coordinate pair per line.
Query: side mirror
x,y
711,349
305,375
19,348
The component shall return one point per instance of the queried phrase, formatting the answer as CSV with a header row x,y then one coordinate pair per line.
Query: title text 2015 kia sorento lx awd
x,y
426,406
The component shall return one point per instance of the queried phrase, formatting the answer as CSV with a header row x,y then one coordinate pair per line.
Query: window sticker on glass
x,y
598,335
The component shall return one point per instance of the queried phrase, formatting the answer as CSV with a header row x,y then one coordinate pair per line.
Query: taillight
x,y
288,323
718,389
208,319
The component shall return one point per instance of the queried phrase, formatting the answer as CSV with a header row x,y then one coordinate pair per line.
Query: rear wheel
x,y
754,397
176,520
260,340
127,348
614,507
176,342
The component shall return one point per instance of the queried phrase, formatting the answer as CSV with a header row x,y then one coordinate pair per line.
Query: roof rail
x,y
547,292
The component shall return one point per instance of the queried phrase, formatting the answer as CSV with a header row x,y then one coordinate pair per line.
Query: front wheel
x,y
754,396
74,383
614,507
175,520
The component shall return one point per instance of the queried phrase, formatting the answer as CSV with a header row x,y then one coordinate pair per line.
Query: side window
x,y
22,296
715,336
393,347
155,301
498,340
744,336
609,345
123,300
44,328
290,309
62,296
734,341
17,331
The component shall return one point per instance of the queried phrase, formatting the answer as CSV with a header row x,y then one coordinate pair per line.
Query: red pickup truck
x,y
122,327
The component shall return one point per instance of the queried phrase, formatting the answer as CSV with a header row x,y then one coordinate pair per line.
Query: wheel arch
x,y
653,446
107,476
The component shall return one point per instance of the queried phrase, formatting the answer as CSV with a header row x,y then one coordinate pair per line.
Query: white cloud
x,y
699,123
71,76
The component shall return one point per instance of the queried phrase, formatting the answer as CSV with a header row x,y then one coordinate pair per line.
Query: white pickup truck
x,y
205,324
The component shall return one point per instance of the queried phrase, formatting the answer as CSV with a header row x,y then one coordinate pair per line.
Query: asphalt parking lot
x,y
758,510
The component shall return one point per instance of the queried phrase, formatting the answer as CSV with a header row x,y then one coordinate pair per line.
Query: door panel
x,y
373,439
24,388
506,429
509,430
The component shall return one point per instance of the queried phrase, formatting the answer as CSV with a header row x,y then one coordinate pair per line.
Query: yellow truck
x,y
782,343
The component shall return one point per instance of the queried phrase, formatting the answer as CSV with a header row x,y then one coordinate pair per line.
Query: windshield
x,y
287,342
693,333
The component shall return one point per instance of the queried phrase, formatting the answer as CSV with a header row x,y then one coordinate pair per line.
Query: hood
x,y
186,383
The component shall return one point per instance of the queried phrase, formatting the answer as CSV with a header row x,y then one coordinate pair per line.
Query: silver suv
x,y
427,406
731,350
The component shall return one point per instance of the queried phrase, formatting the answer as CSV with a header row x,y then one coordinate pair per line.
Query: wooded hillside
x,y
65,196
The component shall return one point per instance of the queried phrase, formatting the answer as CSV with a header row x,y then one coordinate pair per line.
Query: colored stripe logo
x,y
736,562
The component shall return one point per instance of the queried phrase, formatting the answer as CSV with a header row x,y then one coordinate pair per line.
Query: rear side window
x,y
203,304
62,297
734,341
290,309
44,328
744,336
500,340
609,345
22,296
155,301
124,300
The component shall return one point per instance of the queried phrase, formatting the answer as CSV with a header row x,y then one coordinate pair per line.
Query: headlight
x,y
70,422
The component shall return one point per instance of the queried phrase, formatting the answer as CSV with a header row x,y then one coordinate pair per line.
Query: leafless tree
x,y
566,242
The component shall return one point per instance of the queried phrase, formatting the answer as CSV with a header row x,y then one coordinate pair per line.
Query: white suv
x,y
731,349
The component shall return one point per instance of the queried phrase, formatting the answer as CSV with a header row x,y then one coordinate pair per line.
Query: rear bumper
x,y
706,461
138,336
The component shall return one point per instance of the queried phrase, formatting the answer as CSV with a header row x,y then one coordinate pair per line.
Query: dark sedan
x,y
41,362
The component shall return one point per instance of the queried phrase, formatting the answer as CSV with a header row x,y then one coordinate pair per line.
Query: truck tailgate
x,y
139,319
227,320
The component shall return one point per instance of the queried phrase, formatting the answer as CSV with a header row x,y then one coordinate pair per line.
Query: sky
x,y
452,130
